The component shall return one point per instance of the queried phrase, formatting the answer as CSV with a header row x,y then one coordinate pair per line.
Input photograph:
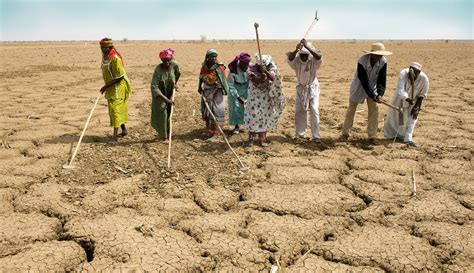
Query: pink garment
x,y
243,57
167,54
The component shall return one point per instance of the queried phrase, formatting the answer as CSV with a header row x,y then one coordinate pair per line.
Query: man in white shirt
x,y
306,61
368,84
412,88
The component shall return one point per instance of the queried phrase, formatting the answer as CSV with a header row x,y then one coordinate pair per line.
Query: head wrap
x,y
267,59
106,42
211,51
242,57
416,65
166,53
304,50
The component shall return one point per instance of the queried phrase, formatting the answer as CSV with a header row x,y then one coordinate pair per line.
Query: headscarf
x,y
304,50
167,53
242,57
108,43
211,51
208,52
267,61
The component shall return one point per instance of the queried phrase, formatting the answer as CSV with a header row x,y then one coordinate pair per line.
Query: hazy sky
x,y
232,19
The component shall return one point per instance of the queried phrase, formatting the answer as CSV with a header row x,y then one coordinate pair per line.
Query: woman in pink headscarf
x,y
163,84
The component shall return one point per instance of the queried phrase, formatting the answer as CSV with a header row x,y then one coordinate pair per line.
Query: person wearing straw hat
x,y
163,84
306,61
117,87
412,88
368,84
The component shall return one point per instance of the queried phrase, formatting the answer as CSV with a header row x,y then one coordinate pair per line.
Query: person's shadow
x,y
70,138
201,143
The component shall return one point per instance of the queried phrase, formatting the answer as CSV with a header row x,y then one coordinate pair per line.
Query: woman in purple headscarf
x,y
238,89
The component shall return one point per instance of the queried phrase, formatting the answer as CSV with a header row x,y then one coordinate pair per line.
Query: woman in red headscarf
x,y
117,87
163,84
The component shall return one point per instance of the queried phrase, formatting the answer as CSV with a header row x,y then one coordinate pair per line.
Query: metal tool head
x,y
68,167
316,16
256,25
243,168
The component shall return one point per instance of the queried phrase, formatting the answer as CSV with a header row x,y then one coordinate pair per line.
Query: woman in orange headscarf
x,y
117,87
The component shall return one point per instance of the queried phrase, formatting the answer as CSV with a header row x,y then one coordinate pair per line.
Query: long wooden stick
x,y
242,166
312,25
412,81
84,130
391,106
171,129
258,42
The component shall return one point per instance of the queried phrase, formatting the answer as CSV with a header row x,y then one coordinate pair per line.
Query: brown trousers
x,y
373,122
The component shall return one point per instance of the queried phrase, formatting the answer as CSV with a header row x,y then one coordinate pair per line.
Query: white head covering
x,y
416,65
304,50
266,59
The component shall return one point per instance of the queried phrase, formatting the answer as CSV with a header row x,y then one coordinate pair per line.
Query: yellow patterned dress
x,y
117,94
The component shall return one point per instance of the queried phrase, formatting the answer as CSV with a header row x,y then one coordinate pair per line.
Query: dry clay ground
x,y
335,206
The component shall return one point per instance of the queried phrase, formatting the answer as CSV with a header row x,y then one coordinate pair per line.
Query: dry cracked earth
x,y
303,206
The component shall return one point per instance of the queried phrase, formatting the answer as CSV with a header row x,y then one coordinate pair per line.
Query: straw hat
x,y
378,49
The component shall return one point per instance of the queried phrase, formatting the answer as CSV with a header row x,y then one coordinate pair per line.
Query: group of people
x,y
255,93
369,84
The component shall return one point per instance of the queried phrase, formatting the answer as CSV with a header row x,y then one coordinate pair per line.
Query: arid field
x,y
303,206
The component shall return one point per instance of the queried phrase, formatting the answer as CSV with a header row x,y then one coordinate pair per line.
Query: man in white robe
x,y
412,88
305,60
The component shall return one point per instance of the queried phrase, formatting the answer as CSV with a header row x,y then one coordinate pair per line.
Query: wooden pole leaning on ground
x,y
171,129
242,166
69,166
316,19
258,42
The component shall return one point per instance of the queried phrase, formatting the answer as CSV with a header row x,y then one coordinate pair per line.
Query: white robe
x,y
402,125
307,94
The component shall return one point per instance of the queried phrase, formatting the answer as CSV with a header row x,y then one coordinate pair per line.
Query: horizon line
x,y
228,40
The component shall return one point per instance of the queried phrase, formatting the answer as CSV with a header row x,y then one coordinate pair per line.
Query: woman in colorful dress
x,y
117,87
163,84
266,99
238,89
213,86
